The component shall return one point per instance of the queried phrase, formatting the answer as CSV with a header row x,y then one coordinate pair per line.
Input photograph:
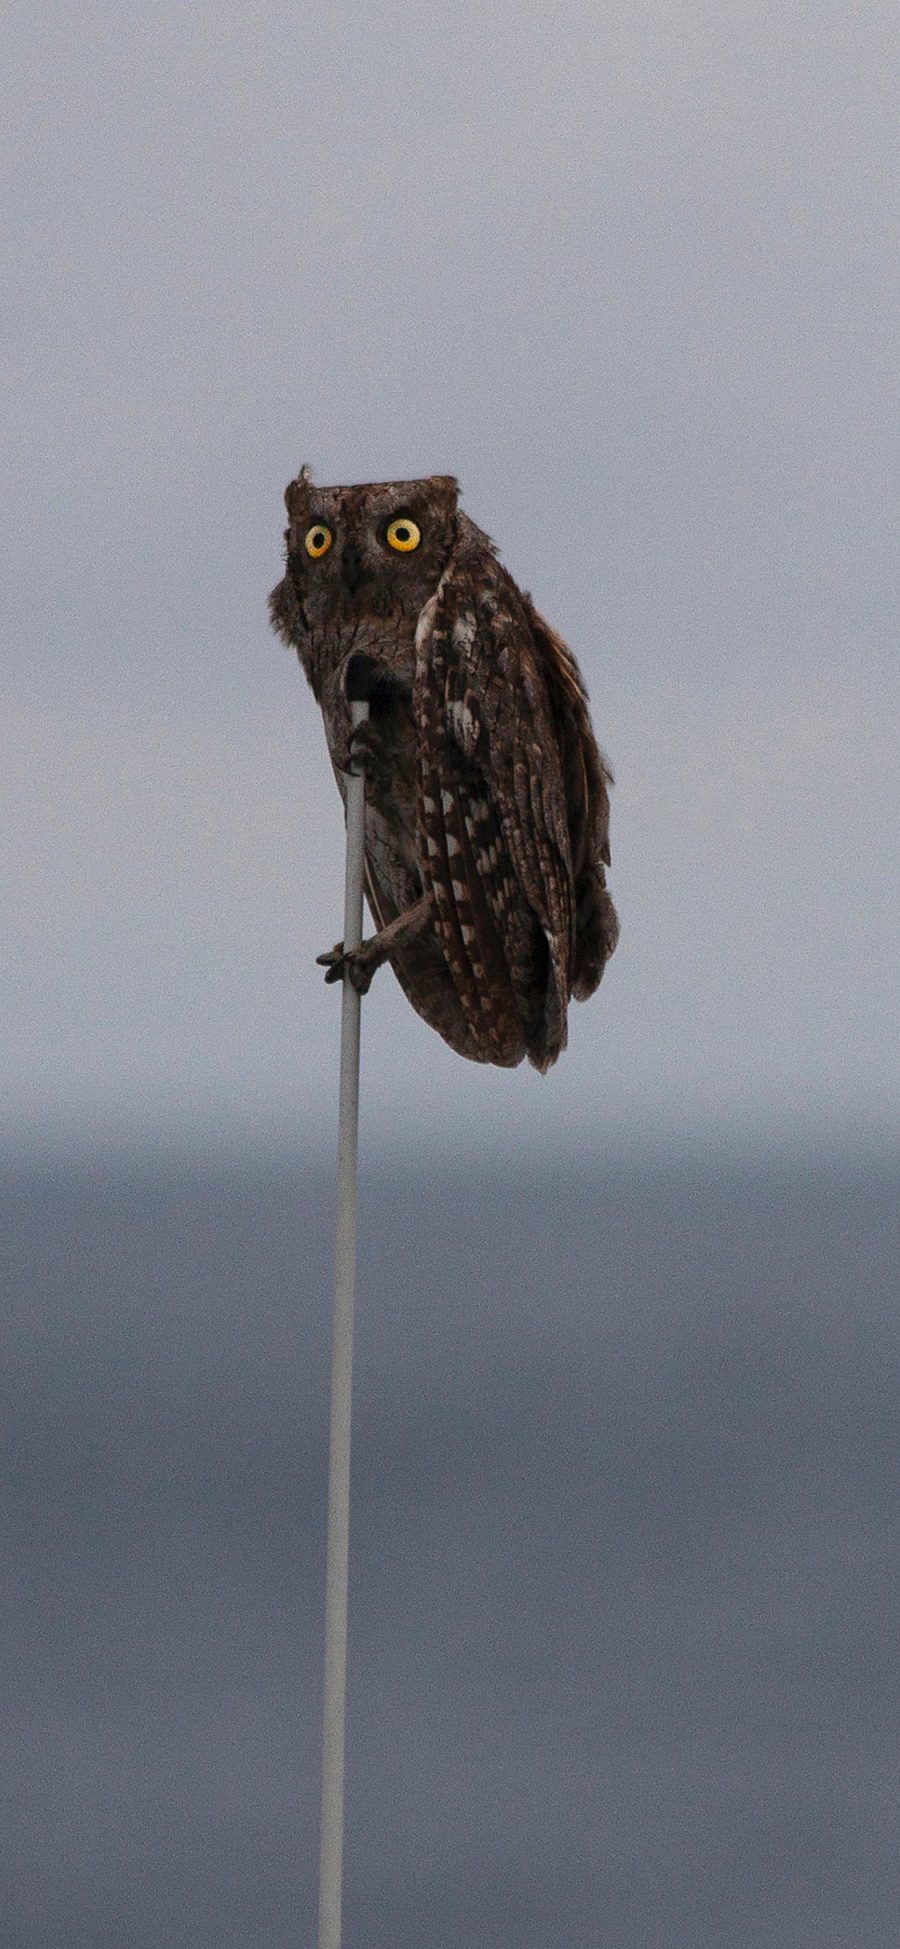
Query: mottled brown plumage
x,y
487,809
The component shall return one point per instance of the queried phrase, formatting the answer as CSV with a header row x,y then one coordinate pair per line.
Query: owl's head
x,y
373,550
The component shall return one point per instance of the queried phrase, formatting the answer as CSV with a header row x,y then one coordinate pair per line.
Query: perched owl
x,y
487,811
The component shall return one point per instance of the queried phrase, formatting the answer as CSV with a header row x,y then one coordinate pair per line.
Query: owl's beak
x,y
353,567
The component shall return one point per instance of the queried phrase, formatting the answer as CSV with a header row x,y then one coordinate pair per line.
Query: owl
x,y
487,808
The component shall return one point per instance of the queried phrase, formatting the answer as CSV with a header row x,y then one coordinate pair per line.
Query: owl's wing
x,y
493,808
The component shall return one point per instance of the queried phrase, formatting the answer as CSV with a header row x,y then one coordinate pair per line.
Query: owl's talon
x,y
364,754
350,759
359,748
357,965
332,962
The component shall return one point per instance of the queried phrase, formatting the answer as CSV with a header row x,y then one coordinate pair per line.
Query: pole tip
x,y
363,678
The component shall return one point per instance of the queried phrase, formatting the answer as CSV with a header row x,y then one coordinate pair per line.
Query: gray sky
x,y
635,282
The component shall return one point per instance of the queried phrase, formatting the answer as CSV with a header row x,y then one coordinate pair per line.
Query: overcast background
x,y
626,1561
634,279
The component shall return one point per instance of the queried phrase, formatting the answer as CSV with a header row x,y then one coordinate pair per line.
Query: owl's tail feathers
x,y
547,1032
596,934
596,931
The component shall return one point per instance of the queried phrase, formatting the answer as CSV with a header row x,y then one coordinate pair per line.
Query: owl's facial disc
x,y
370,550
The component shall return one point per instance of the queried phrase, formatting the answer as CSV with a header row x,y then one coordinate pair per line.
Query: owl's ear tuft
x,y
295,492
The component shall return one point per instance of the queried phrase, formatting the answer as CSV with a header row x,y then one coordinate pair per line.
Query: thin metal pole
x,y
337,1558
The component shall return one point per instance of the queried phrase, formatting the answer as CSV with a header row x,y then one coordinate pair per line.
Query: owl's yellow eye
x,y
403,534
318,540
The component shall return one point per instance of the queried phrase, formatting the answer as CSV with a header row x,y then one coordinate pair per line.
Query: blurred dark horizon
x,y
766,1141
625,1559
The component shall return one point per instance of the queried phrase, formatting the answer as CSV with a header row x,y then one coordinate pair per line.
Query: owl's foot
x,y
364,753
359,965
363,962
